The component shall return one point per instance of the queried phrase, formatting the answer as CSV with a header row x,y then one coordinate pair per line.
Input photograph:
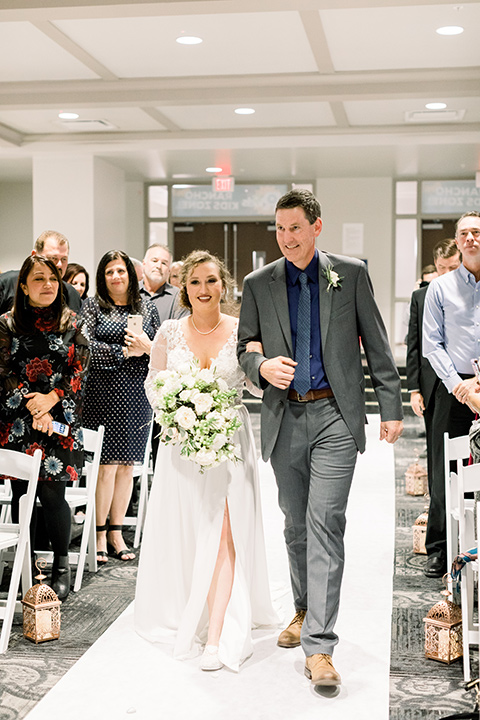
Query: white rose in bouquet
x,y
207,375
203,402
185,369
219,442
185,417
216,419
222,385
205,457
185,395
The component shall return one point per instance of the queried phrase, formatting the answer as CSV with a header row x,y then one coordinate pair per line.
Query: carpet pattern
x,y
420,689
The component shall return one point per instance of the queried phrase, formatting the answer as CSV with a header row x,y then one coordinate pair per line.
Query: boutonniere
x,y
333,278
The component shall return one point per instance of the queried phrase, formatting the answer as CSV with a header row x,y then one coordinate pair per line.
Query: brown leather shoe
x,y
290,637
319,669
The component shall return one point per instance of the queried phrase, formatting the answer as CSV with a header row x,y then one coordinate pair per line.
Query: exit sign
x,y
223,184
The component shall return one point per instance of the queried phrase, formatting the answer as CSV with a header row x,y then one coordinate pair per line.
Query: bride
x,y
202,576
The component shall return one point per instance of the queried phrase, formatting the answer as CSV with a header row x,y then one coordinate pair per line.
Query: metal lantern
x,y
419,529
416,479
41,610
443,630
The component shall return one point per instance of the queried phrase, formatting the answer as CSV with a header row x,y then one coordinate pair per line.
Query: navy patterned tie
x,y
302,347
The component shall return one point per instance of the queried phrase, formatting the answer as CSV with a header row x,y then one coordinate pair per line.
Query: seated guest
x,y
115,395
77,276
43,361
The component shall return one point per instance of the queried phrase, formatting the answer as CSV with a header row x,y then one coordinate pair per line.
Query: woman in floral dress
x,y
43,362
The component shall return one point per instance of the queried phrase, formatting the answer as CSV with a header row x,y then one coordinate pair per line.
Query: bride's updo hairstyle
x,y
197,257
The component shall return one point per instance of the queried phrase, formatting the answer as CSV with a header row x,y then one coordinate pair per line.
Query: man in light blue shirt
x,y
451,338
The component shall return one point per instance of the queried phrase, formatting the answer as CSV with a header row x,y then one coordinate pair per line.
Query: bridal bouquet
x,y
196,409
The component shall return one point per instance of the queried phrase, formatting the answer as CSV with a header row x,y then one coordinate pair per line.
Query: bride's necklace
x,y
208,331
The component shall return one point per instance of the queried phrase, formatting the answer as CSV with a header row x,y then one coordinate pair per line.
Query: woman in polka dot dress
x,y
115,395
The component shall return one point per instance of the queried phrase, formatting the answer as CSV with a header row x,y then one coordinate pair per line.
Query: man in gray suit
x,y
308,311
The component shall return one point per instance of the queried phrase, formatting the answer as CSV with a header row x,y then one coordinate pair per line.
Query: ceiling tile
x,y
392,112
401,37
233,44
47,121
27,54
213,117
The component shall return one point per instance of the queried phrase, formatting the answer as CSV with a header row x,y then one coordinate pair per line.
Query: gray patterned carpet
x,y
421,689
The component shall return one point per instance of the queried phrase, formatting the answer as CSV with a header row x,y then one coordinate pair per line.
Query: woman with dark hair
x,y
43,362
77,276
115,395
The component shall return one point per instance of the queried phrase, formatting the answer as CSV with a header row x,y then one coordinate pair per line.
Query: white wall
x,y
368,201
109,198
16,224
135,219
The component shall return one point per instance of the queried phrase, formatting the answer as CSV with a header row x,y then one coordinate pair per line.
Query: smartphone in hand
x,y
135,324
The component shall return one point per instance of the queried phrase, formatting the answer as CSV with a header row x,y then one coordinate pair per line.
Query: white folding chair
x,y
16,536
85,496
5,501
468,481
455,450
143,471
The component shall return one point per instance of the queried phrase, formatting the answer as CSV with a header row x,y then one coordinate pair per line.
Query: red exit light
x,y
223,184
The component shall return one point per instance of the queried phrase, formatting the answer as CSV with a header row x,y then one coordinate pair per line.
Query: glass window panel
x,y
402,310
158,233
406,197
405,257
158,201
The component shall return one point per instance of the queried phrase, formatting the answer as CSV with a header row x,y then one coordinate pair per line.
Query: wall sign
x,y
244,201
450,197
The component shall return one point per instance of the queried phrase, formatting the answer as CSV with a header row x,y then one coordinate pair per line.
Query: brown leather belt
x,y
310,396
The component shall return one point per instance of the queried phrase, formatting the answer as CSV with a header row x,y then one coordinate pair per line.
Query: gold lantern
x,y
443,630
419,529
41,610
416,479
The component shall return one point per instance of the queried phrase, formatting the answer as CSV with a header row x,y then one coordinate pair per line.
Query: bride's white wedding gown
x,y
183,526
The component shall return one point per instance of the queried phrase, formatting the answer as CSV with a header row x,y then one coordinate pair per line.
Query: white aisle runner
x,y
124,676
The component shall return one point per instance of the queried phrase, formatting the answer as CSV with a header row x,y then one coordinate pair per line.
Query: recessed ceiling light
x,y
68,115
450,30
244,111
436,106
214,169
189,40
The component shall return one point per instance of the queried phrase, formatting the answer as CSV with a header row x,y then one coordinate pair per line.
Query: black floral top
x,y
40,362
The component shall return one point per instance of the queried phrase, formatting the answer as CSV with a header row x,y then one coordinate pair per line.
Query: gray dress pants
x,y
314,460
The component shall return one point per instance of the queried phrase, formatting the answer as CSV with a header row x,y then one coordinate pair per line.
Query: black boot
x,y
61,576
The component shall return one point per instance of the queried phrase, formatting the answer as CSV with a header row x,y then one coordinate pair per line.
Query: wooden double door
x,y
243,246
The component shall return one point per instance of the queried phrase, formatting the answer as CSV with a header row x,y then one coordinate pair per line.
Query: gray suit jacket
x,y
347,313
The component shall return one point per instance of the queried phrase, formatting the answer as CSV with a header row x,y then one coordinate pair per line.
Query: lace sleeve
x,y
158,361
253,389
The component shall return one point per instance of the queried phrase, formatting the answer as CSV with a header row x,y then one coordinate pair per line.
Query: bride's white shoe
x,y
209,659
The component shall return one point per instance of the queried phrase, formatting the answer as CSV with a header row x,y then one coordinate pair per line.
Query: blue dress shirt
x,y
451,325
318,379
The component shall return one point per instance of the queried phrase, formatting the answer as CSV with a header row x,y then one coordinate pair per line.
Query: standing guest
x,y
155,287
43,361
176,273
202,571
54,246
77,276
422,381
450,340
308,310
138,265
115,395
